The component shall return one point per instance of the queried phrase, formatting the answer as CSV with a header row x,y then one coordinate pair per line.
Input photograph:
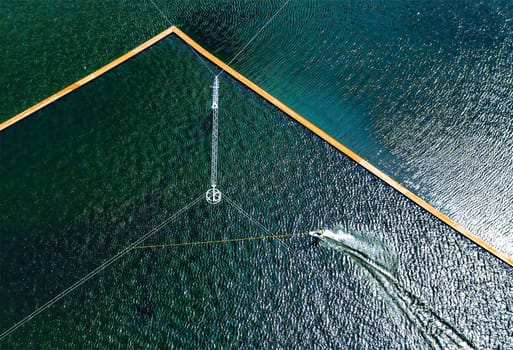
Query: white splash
x,y
371,255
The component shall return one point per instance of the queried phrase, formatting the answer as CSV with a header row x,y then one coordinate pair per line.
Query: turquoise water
x,y
89,174
421,89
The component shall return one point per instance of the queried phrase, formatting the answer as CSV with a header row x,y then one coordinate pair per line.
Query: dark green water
x,y
419,88
86,176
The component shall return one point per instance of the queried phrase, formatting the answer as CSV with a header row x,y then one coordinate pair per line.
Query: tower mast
x,y
213,195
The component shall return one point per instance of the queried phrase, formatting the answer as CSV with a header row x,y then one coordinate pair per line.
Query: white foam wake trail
x,y
371,256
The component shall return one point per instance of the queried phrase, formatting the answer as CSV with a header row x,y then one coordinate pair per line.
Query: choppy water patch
x,y
372,256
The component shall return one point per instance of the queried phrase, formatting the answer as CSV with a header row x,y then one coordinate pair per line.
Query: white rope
x,y
255,35
171,24
100,268
247,215
202,60
161,13
150,233
253,220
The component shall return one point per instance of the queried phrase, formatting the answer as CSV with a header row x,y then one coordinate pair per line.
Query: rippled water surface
x,y
421,89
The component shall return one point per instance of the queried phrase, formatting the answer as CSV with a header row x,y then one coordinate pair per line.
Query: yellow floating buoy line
x,y
173,30
220,241
201,52
215,195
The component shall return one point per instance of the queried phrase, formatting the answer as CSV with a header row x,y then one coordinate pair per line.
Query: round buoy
x,y
213,195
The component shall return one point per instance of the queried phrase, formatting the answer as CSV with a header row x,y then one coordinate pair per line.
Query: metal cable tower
x,y
213,195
